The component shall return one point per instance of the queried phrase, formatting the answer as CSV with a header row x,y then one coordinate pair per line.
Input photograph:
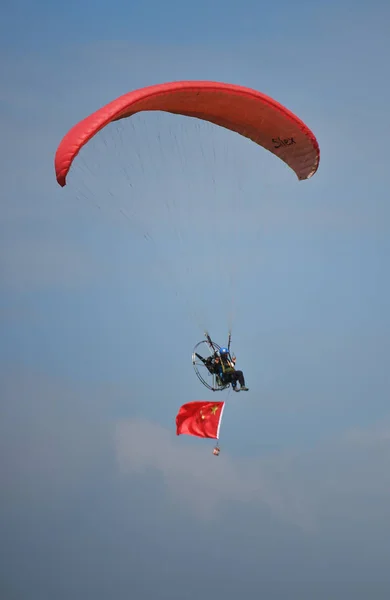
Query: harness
x,y
225,367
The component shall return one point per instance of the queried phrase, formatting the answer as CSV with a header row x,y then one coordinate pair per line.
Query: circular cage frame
x,y
200,367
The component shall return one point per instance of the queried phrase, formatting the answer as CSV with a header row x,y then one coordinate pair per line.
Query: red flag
x,y
202,419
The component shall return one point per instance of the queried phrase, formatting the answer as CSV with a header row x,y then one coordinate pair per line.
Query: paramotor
x,y
203,361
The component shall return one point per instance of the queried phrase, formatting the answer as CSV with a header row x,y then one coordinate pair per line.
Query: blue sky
x,y
106,287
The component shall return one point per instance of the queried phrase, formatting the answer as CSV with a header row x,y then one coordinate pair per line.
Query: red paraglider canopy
x,y
242,110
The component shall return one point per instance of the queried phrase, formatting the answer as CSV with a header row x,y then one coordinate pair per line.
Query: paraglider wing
x,y
242,110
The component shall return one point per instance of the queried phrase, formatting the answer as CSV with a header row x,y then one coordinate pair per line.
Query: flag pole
x,y
217,450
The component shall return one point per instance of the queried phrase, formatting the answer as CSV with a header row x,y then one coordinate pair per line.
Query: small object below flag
x,y
201,418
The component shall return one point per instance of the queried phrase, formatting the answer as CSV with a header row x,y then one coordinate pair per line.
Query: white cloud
x,y
203,482
303,488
